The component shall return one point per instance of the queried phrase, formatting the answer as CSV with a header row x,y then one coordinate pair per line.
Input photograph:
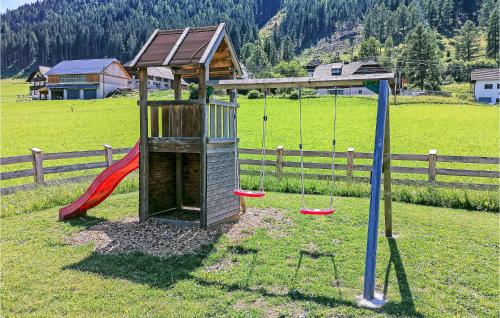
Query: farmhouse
x,y
486,85
86,79
317,70
160,78
38,88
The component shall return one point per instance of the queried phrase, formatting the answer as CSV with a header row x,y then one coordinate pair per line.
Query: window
x,y
488,86
498,86
338,91
360,92
73,78
336,71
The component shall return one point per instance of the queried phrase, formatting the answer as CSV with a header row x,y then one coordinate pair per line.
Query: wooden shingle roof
x,y
485,74
186,49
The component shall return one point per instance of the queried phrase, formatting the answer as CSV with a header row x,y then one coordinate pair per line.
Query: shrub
x,y
193,91
254,94
294,94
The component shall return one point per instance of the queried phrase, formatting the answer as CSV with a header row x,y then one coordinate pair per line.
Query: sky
x,y
12,4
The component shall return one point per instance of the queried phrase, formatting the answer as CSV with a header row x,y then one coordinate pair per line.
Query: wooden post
x,y
432,165
108,154
232,98
144,154
279,161
202,96
37,164
350,162
179,165
387,174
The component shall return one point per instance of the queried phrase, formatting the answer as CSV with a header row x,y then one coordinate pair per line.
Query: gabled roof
x,y
353,68
42,69
90,66
186,48
485,74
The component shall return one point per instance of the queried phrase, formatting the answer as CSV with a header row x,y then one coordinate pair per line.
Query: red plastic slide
x,y
103,185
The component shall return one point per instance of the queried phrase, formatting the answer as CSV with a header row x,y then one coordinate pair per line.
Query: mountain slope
x,y
49,31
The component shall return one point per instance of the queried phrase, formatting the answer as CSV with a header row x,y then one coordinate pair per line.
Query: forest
x,y
52,30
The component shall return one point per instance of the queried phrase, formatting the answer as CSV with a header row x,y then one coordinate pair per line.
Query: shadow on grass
x,y
406,307
85,221
158,272
163,272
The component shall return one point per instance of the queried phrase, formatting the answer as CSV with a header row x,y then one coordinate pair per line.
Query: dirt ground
x,y
159,239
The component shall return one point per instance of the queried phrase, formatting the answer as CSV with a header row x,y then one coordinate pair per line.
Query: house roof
x,y
90,66
41,69
485,74
186,48
353,68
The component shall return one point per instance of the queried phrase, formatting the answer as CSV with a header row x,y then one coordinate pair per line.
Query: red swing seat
x,y
317,211
248,193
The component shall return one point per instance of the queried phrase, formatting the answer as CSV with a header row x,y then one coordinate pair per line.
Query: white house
x,y
317,70
38,81
160,78
486,85
86,79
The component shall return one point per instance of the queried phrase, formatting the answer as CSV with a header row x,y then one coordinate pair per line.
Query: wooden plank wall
x,y
222,204
191,179
161,181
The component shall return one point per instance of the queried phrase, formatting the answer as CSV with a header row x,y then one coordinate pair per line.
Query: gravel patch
x,y
160,239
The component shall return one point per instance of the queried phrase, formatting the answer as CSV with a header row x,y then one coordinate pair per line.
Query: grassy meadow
x,y
443,262
417,125
55,126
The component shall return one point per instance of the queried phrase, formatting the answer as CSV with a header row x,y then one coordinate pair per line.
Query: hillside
x,y
49,31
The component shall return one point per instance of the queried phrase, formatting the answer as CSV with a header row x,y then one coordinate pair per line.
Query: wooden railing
x,y
281,163
37,159
284,166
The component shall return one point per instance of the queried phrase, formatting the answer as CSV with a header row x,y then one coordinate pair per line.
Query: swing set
x,y
188,149
261,193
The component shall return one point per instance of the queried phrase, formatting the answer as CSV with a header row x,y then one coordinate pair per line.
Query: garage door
x,y
89,94
73,94
56,94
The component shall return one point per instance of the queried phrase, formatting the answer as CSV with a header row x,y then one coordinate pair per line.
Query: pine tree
x,y
420,58
446,15
493,36
468,41
370,48
287,49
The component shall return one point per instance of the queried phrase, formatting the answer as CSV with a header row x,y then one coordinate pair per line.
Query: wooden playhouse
x,y
187,147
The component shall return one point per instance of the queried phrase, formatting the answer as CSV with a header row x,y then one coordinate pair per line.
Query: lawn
x,y
55,126
443,263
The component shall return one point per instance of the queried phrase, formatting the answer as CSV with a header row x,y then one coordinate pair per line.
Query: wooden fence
x,y
282,166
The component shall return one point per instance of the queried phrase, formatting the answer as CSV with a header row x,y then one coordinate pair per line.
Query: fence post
x,y
279,161
37,164
432,165
350,162
108,155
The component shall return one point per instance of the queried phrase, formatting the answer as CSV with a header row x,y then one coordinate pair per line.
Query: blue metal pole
x,y
376,177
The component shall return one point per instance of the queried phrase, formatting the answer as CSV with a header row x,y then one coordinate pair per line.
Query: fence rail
x,y
281,165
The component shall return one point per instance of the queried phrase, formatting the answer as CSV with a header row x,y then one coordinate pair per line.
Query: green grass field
x,y
55,126
443,262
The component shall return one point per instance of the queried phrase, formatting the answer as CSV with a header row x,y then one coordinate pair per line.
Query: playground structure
x,y
188,159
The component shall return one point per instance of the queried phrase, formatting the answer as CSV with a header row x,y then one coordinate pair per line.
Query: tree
x,y
370,48
420,58
446,15
289,69
493,36
468,41
287,49
257,63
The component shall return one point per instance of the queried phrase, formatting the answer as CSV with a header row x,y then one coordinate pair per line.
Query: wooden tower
x,y
187,147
